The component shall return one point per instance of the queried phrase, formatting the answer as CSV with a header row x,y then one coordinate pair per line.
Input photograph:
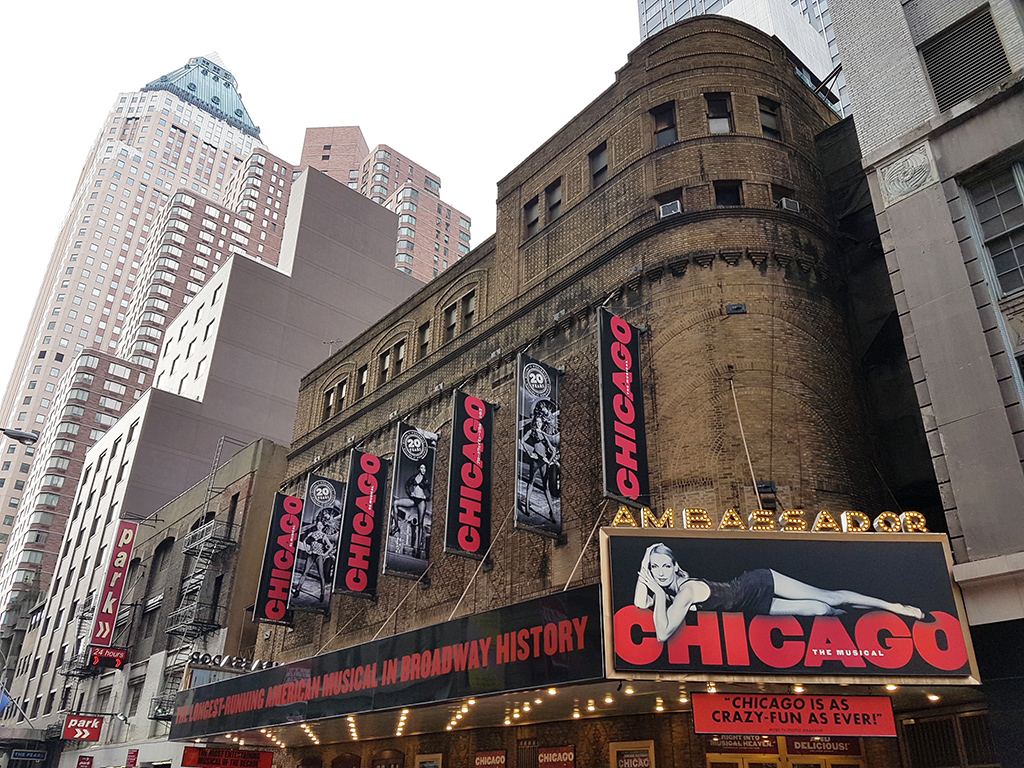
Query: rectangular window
x,y
468,310
451,322
599,166
385,366
719,112
553,200
423,341
771,123
1000,215
728,193
531,215
399,357
328,403
362,376
664,118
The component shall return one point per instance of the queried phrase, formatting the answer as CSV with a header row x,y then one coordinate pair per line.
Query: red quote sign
x,y
497,757
85,761
822,745
766,714
133,759
557,757
82,728
197,757
113,585
741,742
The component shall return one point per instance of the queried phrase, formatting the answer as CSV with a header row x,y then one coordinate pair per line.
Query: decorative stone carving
x,y
913,170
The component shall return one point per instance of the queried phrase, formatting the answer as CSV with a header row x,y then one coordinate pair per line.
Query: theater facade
x,y
632,484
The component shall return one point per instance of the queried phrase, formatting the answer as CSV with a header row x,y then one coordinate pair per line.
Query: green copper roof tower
x,y
204,83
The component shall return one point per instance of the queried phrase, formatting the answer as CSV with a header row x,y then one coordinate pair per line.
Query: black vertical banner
x,y
279,561
538,448
407,553
359,543
467,530
317,551
623,429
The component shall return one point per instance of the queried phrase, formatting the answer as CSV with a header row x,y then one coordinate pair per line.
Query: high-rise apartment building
x,y
771,16
432,235
187,130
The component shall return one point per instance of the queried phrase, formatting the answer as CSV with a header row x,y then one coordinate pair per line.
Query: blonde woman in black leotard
x,y
668,590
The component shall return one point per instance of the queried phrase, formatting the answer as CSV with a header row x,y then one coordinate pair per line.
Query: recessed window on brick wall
x,y
719,112
728,193
664,124
553,200
599,165
965,59
531,216
771,120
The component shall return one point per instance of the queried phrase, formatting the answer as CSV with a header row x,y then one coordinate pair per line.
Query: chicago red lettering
x,y
879,639
277,580
363,524
472,474
625,443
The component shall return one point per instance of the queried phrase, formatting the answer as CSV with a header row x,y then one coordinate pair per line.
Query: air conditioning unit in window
x,y
789,204
670,209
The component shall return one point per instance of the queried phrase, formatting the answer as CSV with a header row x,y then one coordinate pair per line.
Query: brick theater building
x,y
707,208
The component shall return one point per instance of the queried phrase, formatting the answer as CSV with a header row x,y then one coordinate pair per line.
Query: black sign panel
x,y
279,561
550,641
538,448
108,658
468,522
407,552
359,547
317,546
706,605
623,428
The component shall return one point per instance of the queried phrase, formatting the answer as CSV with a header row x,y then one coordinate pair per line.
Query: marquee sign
x,y
553,640
769,521
747,607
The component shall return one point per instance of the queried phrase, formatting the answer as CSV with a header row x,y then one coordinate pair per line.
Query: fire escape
x,y
195,617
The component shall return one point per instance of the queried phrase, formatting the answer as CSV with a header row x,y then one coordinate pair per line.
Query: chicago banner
x,y
623,428
538,448
279,561
467,529
407,553
317,545
359,545
867,607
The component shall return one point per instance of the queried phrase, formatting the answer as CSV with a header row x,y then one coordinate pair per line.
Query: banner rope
x,y
743,437
400,603
587,544
482,561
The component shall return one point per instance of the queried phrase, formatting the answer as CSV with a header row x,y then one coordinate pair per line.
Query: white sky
x,y
467,89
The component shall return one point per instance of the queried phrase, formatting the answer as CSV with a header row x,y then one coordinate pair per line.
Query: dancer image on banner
x,y
411,515
539,443
316,547
664,587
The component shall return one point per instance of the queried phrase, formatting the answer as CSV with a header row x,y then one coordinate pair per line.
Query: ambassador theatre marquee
x,y
800,636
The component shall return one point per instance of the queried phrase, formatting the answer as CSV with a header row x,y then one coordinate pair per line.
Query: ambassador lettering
x,y
625,413
363,524
879,639
284,559
472,474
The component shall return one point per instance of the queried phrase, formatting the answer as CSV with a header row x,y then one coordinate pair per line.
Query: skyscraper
x,y
655,15
187,130
432,235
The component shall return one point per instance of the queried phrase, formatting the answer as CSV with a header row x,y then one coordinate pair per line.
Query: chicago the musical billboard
x,y
867,607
